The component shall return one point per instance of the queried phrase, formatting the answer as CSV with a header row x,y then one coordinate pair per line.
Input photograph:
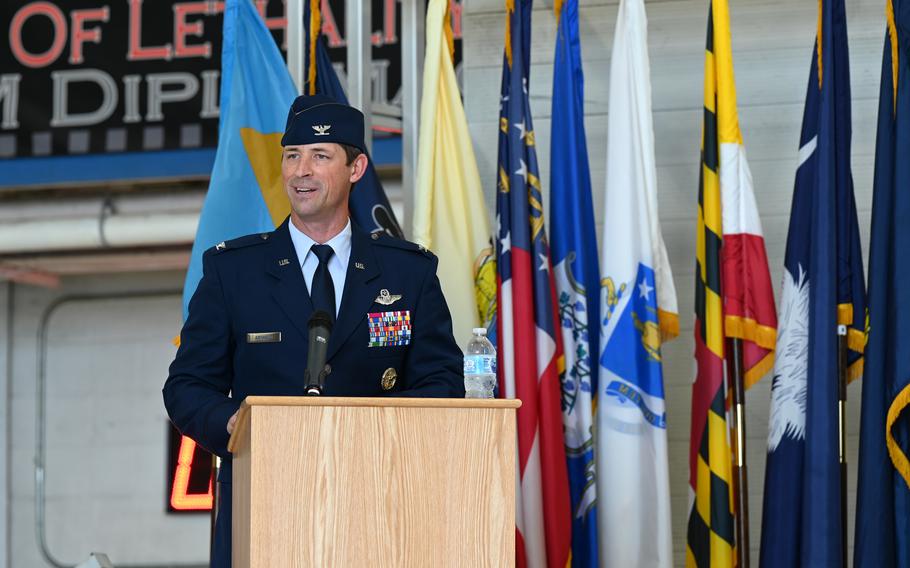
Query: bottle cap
x,y
479,330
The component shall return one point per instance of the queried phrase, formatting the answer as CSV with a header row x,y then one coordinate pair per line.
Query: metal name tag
x,y
264,337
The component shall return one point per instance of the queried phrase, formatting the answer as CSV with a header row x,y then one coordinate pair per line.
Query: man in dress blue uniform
x,y
246,333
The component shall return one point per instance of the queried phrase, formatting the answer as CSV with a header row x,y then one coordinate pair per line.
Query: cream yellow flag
x,y
450,217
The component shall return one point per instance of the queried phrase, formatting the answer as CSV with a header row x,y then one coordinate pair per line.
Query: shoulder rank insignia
x,y
386,299
221,246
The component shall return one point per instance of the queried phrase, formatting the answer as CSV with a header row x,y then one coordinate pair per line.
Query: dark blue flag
x,y
369,205
823,294
577,276
883,495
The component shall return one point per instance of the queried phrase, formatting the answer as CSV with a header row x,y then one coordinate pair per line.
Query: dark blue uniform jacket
x,y
254,285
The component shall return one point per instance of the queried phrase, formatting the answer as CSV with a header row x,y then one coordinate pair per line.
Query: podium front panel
x,y
375,486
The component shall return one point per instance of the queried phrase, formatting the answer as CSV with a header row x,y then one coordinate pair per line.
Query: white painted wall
x,y
772,46
106,427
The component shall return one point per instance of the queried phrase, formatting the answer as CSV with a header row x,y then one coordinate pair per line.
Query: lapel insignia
x,y
389,377
220,246
322,129
358,265
386,299
284,262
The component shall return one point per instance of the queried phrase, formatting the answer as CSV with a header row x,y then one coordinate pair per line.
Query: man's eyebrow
x,y
299,149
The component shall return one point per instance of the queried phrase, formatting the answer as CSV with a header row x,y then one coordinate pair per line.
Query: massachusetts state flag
x,y
246,192
823,294
883,495
577,278
733,300
639,312
528,340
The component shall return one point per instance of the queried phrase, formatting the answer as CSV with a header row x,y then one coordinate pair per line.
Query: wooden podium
x,y
322,481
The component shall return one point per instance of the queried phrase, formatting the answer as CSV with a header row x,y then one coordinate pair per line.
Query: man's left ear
x,y
360,167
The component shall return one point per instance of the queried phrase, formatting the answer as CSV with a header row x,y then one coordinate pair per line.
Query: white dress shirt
x,y
338,264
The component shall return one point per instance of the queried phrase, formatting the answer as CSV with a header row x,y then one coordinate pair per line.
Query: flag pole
x,y
740,478
216,499
842,432
295,40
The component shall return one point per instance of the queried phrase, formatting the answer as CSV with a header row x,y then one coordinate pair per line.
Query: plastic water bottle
x,y
479,366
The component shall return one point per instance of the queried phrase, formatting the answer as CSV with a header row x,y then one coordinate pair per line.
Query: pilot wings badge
x,y
386,299
322,129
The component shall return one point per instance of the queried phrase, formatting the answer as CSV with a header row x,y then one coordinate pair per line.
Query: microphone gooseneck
x,y
320,327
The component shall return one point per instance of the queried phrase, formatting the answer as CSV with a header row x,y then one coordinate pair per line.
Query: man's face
x,y
318,180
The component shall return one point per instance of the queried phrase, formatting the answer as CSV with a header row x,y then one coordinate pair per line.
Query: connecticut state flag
x,y
577,279
246,193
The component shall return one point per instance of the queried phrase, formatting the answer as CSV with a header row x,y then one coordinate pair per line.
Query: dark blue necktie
x,y
322,291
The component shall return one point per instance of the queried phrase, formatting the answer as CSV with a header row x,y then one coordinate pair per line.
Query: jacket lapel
x,y
358,294
290,291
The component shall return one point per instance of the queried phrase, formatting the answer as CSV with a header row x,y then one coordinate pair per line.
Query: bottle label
x,y
479,365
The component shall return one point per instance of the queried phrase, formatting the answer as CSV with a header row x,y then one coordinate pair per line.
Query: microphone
x,y
320,326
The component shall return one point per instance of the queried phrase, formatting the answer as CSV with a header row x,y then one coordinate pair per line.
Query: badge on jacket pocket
x,y
389,329
264,337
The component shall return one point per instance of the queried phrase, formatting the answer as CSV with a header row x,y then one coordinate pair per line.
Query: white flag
x,y
638,307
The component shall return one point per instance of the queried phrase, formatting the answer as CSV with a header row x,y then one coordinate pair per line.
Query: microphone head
x,y
320,319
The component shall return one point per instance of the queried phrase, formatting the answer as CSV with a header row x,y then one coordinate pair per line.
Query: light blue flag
x,y
574,242
246,194
638,311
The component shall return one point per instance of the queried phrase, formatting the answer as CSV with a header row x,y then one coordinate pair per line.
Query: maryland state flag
x,y
883,495
528,340
733,299
246,193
